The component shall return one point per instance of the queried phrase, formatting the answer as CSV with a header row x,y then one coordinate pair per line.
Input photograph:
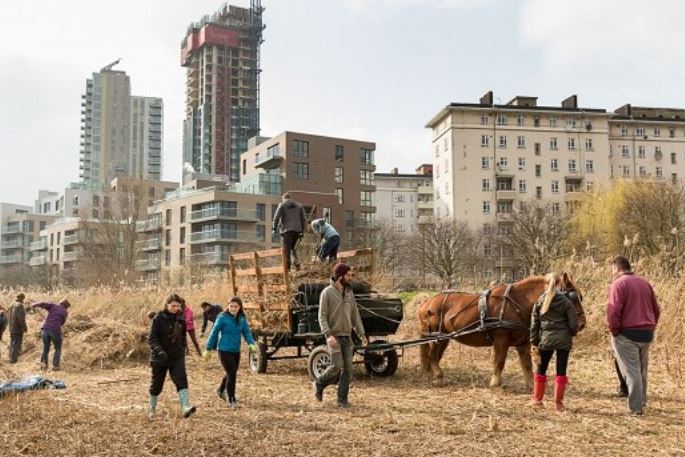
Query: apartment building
x,y
73,201
405,200
58,247
222,53
121,134
311,165
19,228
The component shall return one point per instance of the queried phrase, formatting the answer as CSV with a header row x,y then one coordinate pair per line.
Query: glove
x,y
206,354
162,355
252,347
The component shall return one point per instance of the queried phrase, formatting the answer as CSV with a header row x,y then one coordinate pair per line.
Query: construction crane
x,y
109,67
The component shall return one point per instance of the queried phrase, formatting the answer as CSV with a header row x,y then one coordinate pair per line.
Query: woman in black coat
x,y
167,342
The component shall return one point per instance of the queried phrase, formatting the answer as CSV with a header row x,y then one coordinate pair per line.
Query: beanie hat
x,y
339,270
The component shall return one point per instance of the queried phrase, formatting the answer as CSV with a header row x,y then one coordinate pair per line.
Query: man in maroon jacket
x,y
632,316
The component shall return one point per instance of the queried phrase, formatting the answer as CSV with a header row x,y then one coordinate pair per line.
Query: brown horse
x,y
458,310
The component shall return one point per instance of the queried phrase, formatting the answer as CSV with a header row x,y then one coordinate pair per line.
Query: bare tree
x,y
387,243
536,236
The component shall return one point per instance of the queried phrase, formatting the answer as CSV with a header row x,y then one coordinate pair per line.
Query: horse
x,y
449,312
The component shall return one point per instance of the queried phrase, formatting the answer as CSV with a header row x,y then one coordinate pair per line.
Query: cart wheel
x,y
381,364
319,360
258,359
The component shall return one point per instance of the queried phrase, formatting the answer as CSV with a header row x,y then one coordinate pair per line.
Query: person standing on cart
x,y
338,316
290,220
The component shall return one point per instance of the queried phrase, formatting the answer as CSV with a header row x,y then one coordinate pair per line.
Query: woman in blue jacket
x,y
225,336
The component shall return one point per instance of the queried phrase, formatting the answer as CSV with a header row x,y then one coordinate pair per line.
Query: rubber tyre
x,y
258,359
319,360
381,365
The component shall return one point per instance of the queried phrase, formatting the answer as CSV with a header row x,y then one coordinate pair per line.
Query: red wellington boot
x,y
560,383
539,384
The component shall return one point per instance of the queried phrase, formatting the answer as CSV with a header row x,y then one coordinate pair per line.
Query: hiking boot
x,y
318,393
221,394
233,404
189,411
344,404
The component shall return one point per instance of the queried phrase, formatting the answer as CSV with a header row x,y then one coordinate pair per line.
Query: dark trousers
x,y
623,387
230,361
290,245
342,368
54,338
329,248
16,340
177,371
546,356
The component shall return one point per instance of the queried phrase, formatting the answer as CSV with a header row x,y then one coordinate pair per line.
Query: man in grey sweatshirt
x,y
290,220
338,315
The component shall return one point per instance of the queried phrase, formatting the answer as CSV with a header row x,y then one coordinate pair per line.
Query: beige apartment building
x,y
404,200
310,165
20,230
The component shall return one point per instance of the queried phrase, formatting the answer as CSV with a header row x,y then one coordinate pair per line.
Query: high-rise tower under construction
x,y
221,53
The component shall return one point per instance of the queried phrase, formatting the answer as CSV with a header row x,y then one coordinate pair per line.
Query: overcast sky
x,y
375,70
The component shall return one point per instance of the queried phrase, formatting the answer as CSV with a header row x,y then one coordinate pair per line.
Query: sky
x,y
374,70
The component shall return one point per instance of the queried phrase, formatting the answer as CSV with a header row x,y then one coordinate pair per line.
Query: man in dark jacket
x,y
290,220
632,316
209,313
16,317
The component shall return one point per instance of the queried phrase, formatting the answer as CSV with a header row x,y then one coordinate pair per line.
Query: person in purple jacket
x,y
51,331
632,317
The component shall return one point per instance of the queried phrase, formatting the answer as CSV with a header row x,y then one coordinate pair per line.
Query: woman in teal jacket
x,y
225,337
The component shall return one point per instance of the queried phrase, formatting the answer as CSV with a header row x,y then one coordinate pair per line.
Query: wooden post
x,y
231,264
258,277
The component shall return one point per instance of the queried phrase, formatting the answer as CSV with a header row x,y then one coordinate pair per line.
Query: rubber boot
x,y
186,408
152,409
539,384
560,383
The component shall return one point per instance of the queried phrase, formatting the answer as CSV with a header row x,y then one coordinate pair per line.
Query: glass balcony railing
x,y
224,213
212,236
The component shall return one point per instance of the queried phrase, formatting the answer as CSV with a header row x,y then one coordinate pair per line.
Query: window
x,y
167,257
673,158
502,141
641,152
657,152
340,152
366,177
625,171
536,122
589,166
642,170
486,228
640,130
519,120
301,171
571,122
589,186
553,144
366,155
339,193
504,207
671,132
555,187
588,144
485,163
261,211
572,166
486,207
444,143
399,198
523,206
301,149
659,172
502,119
338,174
485,184
349,218
522,163
522,186
537,149
571,144
538,192
484,141
555,208
624,130
261,232
183,214
182,256
398,212
437,150
487,250
366,198
484,119
554,165
657,131
625,151
182,235
674,178
168,217
521,142
552,122
538,170
151,192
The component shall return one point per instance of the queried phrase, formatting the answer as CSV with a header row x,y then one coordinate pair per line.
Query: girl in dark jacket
x,y
554,323
167,341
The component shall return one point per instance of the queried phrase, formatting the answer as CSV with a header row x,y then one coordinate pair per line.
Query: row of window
x,y
552,121
521,143
366,176
523,186
366,197
643,131
503,164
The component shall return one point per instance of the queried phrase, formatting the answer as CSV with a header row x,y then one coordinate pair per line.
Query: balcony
x,y
69,256
424,205
270,159
507,194
150,264
41,245
574,196
210,258
425,190
573,176
152,244
504,217
14,244
231,214
38,260
424,220
150,225
11,229
223,236
70,239
10,259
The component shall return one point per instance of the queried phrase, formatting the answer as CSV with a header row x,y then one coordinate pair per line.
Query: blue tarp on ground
x,y
29,383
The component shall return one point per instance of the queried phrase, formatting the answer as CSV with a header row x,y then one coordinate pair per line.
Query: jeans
x,y
633,359
342,367
16,340
51,336
329,248
290,245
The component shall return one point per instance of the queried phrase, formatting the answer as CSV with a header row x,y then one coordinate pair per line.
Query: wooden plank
x,y
233,283
259,274
252,289
276,252
354,253
272,270
280,306
276,288
246,272
242,256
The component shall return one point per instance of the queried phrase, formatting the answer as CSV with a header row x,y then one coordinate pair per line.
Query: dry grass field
x,y
103,410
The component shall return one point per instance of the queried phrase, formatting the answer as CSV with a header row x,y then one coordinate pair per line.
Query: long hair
x,y
550,292
240,310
